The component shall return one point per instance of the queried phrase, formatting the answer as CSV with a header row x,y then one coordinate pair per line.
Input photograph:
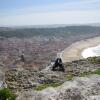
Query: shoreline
x,y
74,51
91,52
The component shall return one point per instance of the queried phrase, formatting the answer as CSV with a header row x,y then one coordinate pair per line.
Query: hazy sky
x,y
40,12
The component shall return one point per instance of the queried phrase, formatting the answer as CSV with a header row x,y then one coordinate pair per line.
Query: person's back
x,y
58,65
59,61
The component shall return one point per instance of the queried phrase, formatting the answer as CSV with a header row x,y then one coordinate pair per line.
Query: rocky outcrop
x,y
81,88
20,79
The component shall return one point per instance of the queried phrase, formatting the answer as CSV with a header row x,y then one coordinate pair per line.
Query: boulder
x,y
81,88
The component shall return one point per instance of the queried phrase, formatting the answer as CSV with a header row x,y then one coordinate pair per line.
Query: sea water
x,y
91,52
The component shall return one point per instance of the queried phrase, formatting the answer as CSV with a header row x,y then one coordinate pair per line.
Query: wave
x,y
91,52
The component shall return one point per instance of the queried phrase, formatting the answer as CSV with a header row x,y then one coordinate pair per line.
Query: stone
x,y
81,88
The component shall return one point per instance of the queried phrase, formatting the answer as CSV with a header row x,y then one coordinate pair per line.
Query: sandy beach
x,y
73,52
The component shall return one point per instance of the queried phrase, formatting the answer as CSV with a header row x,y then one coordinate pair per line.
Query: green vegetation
x,y
89,73
69,77
62,31
97,72
43,86
94,60
85,74
6,94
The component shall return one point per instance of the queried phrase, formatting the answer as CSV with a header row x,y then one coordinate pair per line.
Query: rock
x,y
2,79
96,97
81,88
4,85
48,68
27,79
33,84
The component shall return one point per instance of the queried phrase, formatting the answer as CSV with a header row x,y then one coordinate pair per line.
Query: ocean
x,y
91,52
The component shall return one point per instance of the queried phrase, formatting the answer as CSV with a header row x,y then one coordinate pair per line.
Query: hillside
x,y
20,79
40,46
60,31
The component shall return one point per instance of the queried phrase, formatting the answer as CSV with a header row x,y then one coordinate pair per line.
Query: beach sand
x,y
74,51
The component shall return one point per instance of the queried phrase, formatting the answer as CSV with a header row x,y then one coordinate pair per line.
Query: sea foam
x,y
91,52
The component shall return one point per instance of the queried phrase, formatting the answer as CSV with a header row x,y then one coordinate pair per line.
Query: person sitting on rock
x,y
58,65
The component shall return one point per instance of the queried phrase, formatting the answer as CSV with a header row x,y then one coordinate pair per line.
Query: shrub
x,y
94,60
43,86
6,94
97,72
